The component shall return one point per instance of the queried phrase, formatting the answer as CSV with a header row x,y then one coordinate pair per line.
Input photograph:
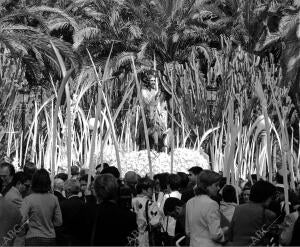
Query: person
x,y
249,218
10,220
86,194
29,169
184,181
175,208
72,213
295,241
106,224
130,180
245,195
189,192
100,167
111,170
20,187
202,224
58,189
62,176
41,210
7,172
288,226
228,204
147,212
174,185
74,172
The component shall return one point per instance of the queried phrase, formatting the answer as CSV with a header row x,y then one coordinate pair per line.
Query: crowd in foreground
x,y
197,208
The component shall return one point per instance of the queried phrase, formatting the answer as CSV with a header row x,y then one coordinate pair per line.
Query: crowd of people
x,y
198,208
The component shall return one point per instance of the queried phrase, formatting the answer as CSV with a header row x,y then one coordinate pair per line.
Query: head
x,y
83,181
161,181
29,169
41,182
74,171
7,172
184,179
246,194
106,188
62,176
208,183
229,194
145,186
130,178
174,182
152,80
58,185
22,182
100,167
254,178
173,207
71,187
111,170
262,192
193,173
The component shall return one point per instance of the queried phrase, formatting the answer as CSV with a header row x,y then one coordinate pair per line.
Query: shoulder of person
x,y
270,214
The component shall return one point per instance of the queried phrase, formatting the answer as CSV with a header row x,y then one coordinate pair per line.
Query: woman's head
x,y
106,187
41,182
262,192
208,183
145,186
229,194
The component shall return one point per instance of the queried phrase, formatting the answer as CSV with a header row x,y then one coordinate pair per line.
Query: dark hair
x,y
144,184
229,194
196,170
41,182
62,176
104,165
0,185
10,167
174,181
20,177
163,180
111,170
74,170
204,180
106,187
261,191
85,178
171,203
29,169
184,179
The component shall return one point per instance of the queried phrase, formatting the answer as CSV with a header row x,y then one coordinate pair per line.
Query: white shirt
x,y
202,223
169,223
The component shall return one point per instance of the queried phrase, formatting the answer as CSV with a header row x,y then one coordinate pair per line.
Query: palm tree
x,y
25,33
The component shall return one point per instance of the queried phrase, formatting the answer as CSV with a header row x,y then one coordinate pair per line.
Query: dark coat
x,y
112,224
247,219
69,233
10,219
59,196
